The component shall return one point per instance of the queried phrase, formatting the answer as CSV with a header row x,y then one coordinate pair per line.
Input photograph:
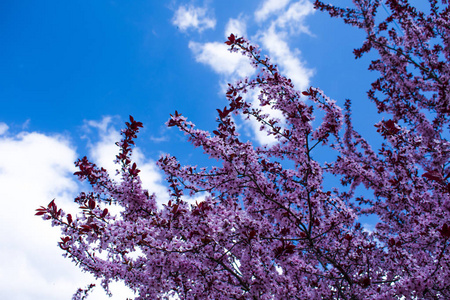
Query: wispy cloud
x,y
275,37
293,18
104,150
275,42
3,128
191,17
269,7
159,139
237,27
217,56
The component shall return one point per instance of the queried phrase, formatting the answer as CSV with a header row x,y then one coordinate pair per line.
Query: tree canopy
x,y
267,227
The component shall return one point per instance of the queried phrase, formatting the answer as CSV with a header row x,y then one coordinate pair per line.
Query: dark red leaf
x,y
86,228
91,203
432,175
231,40
175,208
445,231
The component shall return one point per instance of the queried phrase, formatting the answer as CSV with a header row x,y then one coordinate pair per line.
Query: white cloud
x,y
152,177
103,152
237,27
217,56
294,17
288,20
34,169
289,61
369,228
187,17
195,199
3,128
269,7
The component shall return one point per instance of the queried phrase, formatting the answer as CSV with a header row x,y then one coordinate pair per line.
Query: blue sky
x,y
71,73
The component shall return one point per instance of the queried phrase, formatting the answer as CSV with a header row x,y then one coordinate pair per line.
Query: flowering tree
x,y
268,229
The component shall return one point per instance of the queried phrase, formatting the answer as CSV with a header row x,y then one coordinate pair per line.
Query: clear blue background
x,y
61,63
